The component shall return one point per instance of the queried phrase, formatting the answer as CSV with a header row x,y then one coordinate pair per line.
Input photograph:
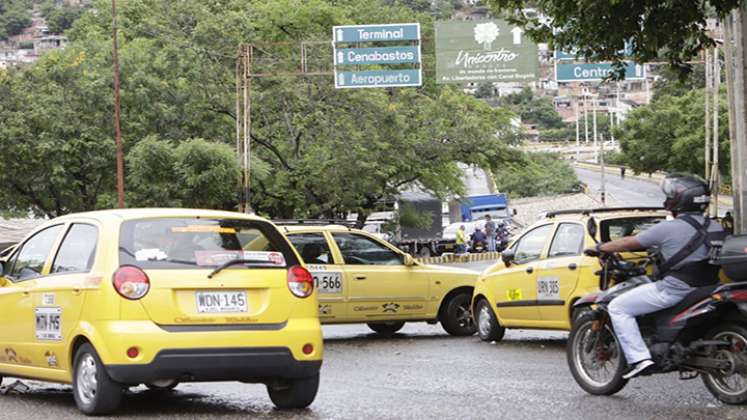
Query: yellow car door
x,y
22,271
380,286
327,272
557,279
58,297
516,291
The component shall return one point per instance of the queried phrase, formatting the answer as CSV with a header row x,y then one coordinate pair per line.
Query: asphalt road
x,y
419,373
628,192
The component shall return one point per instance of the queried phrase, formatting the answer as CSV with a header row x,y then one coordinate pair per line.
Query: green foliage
x,y
194,173
62,18
599,29
532,109
316,150
671,84
536,174
15,16
409,216
669,135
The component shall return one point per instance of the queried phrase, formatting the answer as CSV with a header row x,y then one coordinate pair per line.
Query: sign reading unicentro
x,y
484,51
390,58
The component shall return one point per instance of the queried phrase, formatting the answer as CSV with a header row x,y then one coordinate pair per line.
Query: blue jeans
x,y
461,249
491,243
643,300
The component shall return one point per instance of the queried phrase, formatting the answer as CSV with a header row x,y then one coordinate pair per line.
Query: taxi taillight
x,y
131,282
300,281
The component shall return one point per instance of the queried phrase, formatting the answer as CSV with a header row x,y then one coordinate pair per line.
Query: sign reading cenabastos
x,y
484,51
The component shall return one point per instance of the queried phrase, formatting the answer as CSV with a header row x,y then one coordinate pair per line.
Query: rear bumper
x,y
255,364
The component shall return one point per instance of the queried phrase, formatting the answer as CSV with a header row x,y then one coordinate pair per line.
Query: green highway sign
x,y
590,72
484,51
374,33
377,78
384,55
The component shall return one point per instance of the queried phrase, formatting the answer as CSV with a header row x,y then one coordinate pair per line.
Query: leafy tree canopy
x,y
15,16
599,29
536,174
533,109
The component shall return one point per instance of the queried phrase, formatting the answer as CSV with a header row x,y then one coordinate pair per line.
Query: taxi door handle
x,y
360,277
76,291
530,270
572,266
26,293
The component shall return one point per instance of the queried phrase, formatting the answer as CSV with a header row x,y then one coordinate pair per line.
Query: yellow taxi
x,y
544,271
364,279
111,299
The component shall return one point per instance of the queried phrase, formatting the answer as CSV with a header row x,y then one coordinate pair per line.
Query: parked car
x,y
544,271
361,278
112,299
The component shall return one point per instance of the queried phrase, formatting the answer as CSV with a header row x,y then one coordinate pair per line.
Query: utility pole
x,y
707,95
117,111
737,65
578,146
594,104
601,161
715,173
586,118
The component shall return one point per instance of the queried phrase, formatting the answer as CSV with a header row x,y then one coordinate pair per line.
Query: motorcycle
x,y
478,246
704,335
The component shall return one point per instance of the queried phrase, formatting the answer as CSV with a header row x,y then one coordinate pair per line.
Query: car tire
x,y
456,318
424,252
294,393
488,327
94,391
163,386
386,328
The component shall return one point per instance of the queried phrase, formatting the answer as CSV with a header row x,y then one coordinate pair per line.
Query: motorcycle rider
x,y
687,197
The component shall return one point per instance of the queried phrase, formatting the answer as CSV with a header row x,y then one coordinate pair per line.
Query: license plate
x,y
220,302
48,324
327,282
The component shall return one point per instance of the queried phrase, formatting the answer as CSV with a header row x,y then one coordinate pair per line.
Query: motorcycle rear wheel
x,y
600,370
730,386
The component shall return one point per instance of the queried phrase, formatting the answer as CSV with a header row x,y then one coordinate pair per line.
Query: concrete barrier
x,y
460,258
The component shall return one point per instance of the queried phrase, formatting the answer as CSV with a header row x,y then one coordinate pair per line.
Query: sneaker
x,y
639,369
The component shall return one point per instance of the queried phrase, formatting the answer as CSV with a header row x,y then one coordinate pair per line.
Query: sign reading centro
x,y
484,51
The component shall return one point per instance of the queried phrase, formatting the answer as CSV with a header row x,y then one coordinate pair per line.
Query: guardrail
x,y
460,258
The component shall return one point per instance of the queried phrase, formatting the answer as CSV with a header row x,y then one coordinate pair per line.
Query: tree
x,y
668,135
536,174
600,30
15,16
60,19
532,109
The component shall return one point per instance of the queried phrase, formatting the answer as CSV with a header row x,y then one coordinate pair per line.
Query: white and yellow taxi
x,y
364,279
111,299
544,271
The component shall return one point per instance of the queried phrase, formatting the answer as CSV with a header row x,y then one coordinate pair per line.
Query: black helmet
x,y
685,193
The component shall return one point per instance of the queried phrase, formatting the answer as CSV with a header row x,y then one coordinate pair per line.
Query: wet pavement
x,y
419,373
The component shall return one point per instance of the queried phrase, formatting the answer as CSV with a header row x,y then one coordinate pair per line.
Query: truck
x,y
476,207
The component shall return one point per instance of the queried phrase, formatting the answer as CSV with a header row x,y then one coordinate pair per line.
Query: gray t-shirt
x,y
671,235
490,227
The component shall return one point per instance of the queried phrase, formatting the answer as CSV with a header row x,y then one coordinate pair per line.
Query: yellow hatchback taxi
x,y
544,271
363,279
111,299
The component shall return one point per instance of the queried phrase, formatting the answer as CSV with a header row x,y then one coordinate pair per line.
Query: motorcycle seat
x,y
692,298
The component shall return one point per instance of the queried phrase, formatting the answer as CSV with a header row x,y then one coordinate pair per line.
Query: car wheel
x,y
488,327
294,393
457,317
424,252
386,328
163,386
94,391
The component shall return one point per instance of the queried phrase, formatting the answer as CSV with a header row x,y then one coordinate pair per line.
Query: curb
x,y
460,258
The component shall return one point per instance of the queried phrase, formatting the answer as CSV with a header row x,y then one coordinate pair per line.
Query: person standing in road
x,y
461,239
728,223
490,232
622,172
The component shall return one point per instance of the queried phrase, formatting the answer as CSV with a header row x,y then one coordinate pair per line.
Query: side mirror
x,y
507,256
408,260
591,226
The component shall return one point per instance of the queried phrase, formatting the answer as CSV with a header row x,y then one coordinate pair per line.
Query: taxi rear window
x,y
200,243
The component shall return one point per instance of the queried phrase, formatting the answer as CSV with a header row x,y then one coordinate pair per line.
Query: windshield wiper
x,y
227,264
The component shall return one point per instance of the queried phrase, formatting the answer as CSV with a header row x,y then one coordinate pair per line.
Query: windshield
x,y
194,242
495,213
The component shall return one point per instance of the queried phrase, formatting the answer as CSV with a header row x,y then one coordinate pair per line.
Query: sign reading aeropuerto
x,y
484,51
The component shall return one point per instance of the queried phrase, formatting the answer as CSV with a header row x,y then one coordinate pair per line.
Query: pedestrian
x,y
622,172
461,239
490,232
728,223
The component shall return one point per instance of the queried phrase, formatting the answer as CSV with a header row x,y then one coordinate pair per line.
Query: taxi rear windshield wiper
x,y
237,261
